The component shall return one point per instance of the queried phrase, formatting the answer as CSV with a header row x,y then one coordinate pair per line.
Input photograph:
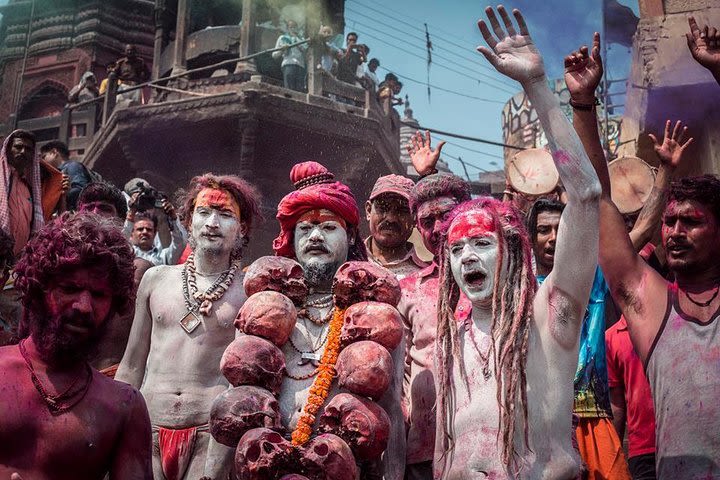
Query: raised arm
x,y
630,280
424,158
515,55
704,45
132,365
670,152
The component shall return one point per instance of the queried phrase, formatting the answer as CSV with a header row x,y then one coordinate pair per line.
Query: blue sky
x,y
395,35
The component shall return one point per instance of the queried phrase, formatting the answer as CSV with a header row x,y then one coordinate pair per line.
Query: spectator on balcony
x,y
328,52
131,70
110,67
351,59
370,78
56,153
389,89
293,59
86,90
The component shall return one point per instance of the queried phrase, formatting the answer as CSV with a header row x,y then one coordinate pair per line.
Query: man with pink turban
x,y
319,228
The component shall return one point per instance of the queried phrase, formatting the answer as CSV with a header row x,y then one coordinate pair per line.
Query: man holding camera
x,y
141,225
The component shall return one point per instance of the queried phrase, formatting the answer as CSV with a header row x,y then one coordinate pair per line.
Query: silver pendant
x,y
310,357
190,321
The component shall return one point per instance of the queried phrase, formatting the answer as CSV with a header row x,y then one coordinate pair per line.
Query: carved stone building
x,y
235,117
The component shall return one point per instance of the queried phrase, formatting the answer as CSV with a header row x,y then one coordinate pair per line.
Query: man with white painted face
x,y
505,373
431,200
319,228
391,222
183,323
673,325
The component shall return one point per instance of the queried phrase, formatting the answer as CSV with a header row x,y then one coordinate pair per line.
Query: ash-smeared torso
x,y
183,375
476,451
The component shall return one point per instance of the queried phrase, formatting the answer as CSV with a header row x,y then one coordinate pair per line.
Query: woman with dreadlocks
x,y
505,374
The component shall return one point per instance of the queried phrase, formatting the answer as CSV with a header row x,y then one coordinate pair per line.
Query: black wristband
x,y
431,172
586,107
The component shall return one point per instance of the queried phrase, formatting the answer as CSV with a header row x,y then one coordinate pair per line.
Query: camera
x,y
148,198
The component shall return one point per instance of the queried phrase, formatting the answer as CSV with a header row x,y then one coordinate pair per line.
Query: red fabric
x,y
186,253
626,370
328,194
176,448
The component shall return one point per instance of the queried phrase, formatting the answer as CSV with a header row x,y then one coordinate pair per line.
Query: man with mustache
x,y
183,323
60,417
388,214
431,200
673,325
319,228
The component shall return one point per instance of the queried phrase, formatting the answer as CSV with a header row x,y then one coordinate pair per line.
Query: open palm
x,y
511,53
672,147
583,72
704,45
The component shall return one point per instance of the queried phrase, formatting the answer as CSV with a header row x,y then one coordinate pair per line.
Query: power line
x,y
499,102
465,74
463,137
473,150
463,48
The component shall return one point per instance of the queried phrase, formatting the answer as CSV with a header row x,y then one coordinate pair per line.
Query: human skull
x,y
361,281
263,454
365,368
270,315
251,360
279,274
362,423
239,409
328,457
375,321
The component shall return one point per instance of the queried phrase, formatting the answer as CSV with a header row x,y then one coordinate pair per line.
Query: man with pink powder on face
x,y
431,200
673,325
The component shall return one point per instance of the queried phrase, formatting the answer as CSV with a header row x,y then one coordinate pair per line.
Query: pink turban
x,y
315,188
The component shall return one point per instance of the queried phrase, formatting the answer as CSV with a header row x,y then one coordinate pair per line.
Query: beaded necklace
x,y
202,302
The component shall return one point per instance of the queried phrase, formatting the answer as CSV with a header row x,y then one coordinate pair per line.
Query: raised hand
x,y
423,157
704,46
671,149
583,72
512,54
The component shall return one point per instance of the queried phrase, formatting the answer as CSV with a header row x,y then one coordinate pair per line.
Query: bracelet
x,y
508,192
431,172
586,107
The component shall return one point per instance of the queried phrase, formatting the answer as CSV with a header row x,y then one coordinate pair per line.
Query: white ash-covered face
x,y
474,252
321,245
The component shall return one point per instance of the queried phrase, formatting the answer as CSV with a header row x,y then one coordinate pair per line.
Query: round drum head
x,y
533,172
631,180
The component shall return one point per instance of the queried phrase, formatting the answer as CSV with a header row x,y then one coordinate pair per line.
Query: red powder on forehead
x,y
470,225
321,215
218,199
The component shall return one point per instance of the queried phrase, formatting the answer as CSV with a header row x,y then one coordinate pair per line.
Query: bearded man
x,y
505,374
183,323
319,228
61,418
431,200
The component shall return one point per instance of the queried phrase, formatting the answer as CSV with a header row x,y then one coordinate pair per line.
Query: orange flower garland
x,y
322,383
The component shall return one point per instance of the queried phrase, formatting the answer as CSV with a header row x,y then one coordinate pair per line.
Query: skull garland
x,y
279,274
251,360
375,321
270,315
362,281
328,457
239,409
263,454
365,368
363,424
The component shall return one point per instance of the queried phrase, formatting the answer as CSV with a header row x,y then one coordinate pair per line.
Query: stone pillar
x,y
247,38
159,33
181,33
248,137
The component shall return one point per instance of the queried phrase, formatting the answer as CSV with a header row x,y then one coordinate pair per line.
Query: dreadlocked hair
x,y
512,310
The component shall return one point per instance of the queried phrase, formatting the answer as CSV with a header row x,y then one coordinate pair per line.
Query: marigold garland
x,y
322,383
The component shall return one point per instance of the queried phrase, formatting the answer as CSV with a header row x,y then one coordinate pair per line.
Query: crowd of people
x,y
511,365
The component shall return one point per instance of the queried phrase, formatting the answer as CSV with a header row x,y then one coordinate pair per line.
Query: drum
x,y
631,180
532,172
